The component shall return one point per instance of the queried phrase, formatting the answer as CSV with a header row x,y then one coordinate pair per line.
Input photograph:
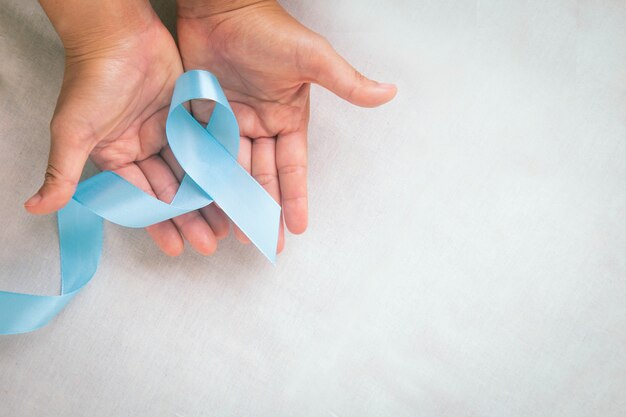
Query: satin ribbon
x,y
209,158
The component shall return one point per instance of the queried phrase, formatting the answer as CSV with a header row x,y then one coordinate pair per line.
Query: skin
x,y
117,85
266,61
121,65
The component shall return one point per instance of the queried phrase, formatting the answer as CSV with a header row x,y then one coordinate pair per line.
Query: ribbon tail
x,y
80,241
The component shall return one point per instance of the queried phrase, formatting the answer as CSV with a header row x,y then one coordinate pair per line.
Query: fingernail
x,y
33,201
387,86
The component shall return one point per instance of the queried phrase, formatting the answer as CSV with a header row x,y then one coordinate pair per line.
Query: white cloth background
x,y
466,253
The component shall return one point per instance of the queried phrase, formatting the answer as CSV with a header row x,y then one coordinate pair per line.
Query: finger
x,y
215,217
191,225
245,160
333,72
165,234
250,124
291,162
264,172
202,110
67,158
152,136
172,162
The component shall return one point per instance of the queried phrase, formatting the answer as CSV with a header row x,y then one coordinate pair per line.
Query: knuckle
x,y
183,221
295,198
265,179
292,169
54,175
322,43
315,54
70,132
167,190
55,125
59,127
265,141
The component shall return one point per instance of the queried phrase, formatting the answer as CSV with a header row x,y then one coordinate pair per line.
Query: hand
x,y
265,60
113,105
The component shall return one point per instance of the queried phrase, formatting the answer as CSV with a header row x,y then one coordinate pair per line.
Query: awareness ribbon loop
x,y
209,158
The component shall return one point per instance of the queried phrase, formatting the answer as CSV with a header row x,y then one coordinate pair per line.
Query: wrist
x,y
87,26
197,9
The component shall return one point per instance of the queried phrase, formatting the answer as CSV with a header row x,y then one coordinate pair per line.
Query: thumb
x,y
337,75
65,165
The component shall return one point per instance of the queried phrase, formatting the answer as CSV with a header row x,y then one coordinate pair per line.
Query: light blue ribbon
x,y
209,158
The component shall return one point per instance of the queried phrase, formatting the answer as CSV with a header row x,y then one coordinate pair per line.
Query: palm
x,y
268,93
266,60
122,99
113,105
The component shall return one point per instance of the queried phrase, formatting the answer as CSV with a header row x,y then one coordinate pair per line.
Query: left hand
x,y
265,60
117,86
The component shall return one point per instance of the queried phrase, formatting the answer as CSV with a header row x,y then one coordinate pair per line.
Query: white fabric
x,y
466,254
